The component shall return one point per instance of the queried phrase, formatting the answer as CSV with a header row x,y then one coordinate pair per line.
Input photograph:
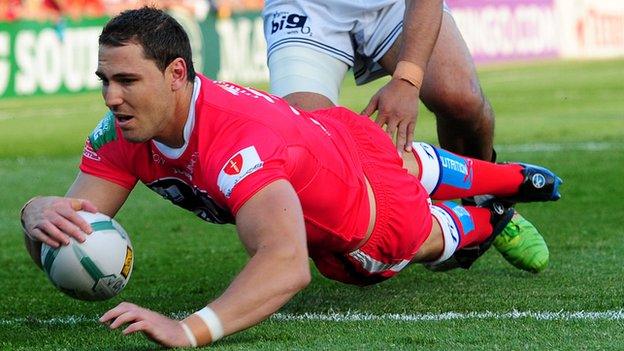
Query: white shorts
x,y
357,33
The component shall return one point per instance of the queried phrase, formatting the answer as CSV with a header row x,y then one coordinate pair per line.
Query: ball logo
x,y
234,165
538,181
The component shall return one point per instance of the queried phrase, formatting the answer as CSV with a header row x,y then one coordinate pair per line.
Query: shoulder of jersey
x,y
104,132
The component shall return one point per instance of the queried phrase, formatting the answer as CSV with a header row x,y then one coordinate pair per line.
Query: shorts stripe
x,y
314,43
372,265
360,71
386,41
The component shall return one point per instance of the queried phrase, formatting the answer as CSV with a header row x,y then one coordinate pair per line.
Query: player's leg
x,y
461,234
305,77
309,50
447,176
451,90
520,243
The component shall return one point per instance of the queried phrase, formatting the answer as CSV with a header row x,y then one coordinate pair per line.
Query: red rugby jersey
x,y
238,140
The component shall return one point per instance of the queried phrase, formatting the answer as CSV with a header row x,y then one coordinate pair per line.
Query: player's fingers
x,y
54,233
391,127
126,317
80,224
401,137
65,220
410,136
371,107
39,235
72,230
141,325
88,206
116,311
76,204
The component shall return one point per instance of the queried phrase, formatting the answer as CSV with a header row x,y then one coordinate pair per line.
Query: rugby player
x,y
311,45
328,184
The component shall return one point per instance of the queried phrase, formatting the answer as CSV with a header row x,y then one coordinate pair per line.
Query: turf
x,y
573,109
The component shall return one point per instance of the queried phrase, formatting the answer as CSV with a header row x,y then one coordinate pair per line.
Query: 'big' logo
x,y
293,21
234,165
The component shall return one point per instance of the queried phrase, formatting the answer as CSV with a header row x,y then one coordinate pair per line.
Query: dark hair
x,y
163,39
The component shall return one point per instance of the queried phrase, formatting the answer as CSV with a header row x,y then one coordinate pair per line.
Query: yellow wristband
x,y
409,72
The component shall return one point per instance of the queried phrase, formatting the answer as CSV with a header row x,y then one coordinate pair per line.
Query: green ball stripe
x,y
92,269
49,260
102,225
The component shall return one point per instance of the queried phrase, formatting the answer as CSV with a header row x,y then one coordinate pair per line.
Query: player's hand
x,y
397,106
53,220
163,330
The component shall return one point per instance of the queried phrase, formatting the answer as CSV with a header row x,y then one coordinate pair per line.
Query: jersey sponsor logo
x,y
188,170
464,217
293,23
239,166
191,198
104,132
89,153
456,171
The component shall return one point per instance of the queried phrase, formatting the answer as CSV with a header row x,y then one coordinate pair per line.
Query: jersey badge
x,y
104,132
239,166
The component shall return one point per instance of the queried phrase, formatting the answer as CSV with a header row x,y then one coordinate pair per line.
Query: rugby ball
x,y
96,269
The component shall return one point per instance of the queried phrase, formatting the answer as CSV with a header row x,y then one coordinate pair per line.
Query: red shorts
x,y
403,218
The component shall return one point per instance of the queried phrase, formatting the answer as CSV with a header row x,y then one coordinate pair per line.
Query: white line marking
x,y
434,317
355,316
559,147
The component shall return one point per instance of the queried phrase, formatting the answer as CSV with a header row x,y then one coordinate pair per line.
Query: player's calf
x,y
447,176
468,231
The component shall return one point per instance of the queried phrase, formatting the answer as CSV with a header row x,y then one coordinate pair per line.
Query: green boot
x,y
522,245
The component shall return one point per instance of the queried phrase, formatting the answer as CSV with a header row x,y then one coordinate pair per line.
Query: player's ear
x,y
177,68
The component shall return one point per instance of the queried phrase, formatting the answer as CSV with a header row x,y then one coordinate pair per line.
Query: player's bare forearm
x,y
267,282
421,25
271,227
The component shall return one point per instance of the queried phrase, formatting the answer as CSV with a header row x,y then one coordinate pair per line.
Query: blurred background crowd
x,y
52,10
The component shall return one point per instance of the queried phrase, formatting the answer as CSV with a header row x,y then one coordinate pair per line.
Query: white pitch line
x,y
355,316
445,316
559,147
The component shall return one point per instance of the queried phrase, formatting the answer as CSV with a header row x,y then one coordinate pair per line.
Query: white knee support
x,y
299,68
429,163
450,233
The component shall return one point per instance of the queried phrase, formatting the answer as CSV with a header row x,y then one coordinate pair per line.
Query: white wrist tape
x,y
212,321
202,327
189,334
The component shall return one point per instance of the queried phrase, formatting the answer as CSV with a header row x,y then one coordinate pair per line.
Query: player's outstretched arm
x,y
271,227
397,101
53,219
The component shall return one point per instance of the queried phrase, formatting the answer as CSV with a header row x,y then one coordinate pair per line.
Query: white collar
x,y
175,153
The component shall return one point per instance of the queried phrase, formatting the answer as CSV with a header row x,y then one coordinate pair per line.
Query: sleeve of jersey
x,y
108,162
257,159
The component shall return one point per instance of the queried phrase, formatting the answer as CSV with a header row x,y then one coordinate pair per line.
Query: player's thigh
x,y
306,77
450,83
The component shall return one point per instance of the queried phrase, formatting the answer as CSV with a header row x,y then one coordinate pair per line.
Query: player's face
x,y
137,92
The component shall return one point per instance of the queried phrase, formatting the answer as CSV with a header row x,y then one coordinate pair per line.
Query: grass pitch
x,y
568,116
